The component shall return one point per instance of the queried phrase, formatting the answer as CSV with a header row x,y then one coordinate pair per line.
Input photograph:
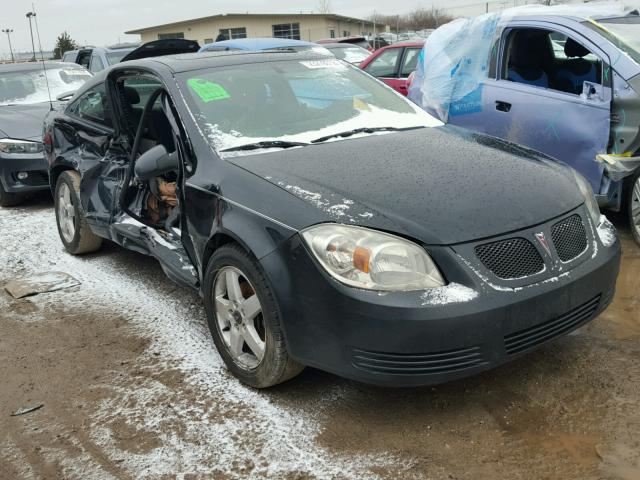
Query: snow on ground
x,y
263,435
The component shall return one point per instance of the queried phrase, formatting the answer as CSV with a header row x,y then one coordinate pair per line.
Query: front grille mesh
x,y
569,238
510,259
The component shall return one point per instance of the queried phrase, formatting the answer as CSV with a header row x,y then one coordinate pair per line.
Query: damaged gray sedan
x,y
326,220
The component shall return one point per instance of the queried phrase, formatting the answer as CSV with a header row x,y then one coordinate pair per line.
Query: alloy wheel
x,y
239,317
66,213
635,207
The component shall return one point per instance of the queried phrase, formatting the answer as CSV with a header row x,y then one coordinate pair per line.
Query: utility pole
x,y
33,45
8,31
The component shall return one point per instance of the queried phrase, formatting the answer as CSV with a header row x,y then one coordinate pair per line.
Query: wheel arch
x,y
55,172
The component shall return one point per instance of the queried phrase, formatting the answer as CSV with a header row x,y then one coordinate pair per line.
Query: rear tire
x,y
235,287
9,199
74,231
632,199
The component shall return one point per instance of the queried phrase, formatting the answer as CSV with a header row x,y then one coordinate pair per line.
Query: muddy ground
x,y
132,387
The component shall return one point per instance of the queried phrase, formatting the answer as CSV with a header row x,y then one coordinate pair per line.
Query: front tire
x,y
9,199
633,205
74,231
244,319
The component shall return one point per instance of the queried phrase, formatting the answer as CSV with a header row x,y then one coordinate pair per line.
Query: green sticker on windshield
x,y
207,91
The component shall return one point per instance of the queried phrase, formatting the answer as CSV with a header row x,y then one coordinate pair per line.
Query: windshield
x,y
31,86
116,57
292,101
352,54
623,32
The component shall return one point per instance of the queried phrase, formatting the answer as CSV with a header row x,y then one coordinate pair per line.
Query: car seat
x,y
570,77
526,59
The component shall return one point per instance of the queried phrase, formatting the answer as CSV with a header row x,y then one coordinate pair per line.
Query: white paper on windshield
x,y
326,63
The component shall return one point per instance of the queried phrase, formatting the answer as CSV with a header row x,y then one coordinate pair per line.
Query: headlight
x,y
12,146
372,260
589,198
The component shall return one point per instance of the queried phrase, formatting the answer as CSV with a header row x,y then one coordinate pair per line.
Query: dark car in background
x,y
349,235
348,52
360,41
24,102
393,64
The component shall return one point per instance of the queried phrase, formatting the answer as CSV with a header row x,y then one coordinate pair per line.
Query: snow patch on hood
x,y
340,209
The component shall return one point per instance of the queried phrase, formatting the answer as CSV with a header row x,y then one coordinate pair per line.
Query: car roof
x,y
35,66
409,43
342,45
201,60
257,43
343,40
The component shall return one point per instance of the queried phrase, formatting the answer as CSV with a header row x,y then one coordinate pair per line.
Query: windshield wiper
x,y
265,144
355,131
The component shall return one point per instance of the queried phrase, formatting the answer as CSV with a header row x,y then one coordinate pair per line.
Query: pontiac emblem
x,y
544,242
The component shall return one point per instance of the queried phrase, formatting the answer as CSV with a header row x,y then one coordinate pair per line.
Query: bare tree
x,y
324,6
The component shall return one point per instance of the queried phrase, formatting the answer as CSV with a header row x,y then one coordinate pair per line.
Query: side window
x,y
409,62
552,60
96,64
83,59
92,106
385,64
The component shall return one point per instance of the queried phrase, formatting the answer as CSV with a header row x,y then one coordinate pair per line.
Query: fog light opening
x,y
23,175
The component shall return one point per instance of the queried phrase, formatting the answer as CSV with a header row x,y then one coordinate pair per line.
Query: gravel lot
x,y
132,388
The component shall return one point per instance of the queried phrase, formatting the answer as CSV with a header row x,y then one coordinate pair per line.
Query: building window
x,y
231,33
168,36
207,41
346,33
332,33
287,30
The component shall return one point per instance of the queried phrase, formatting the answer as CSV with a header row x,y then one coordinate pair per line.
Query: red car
x,y
393,64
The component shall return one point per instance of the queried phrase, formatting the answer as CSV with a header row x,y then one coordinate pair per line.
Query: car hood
x,y
440,185
23,121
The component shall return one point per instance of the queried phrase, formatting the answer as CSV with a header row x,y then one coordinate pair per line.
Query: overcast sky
x,y
102,22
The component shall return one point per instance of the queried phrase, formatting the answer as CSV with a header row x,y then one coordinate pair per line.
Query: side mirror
x,y
155,162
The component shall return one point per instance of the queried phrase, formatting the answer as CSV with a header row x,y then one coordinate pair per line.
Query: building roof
x,y
225,15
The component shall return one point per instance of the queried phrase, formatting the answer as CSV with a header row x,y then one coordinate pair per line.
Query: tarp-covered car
x,y
563,80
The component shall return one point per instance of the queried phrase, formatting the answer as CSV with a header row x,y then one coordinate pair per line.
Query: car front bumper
x,y
398,339
34,166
